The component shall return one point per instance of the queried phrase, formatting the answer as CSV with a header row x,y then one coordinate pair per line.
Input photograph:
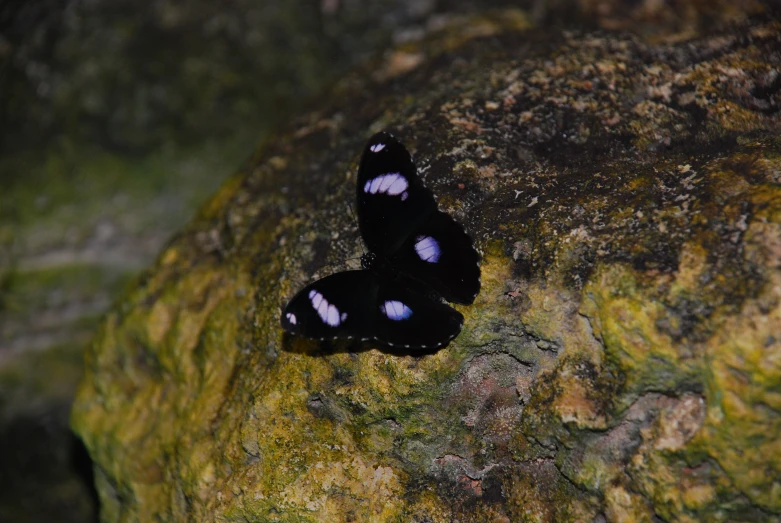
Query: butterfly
x,y
417,255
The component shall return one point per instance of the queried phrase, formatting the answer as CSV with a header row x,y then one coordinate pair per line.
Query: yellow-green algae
x,y
621,360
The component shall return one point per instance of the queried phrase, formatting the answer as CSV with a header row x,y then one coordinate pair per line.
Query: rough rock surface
x,y
622,362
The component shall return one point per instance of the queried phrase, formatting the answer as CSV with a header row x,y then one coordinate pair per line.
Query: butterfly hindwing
x,y
406,319
440,254
332,307
363,305
392,201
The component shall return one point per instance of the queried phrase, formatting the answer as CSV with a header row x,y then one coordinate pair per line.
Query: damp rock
x,y
637,378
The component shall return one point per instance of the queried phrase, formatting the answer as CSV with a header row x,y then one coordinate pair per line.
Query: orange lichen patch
x,y
574,405
465,122
487,171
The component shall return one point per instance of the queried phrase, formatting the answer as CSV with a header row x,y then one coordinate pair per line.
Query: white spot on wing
x,y
392,184
327,311
377,147
291,318
387,181
322,309
428,249
398,186
333,316
317,299
395,310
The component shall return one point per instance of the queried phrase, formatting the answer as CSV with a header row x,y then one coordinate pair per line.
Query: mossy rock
x,y
622,361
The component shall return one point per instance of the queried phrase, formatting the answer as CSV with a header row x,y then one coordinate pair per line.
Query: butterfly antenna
x,y
355,219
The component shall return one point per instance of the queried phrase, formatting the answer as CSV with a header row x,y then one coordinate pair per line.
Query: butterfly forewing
x,y
362,305
392,201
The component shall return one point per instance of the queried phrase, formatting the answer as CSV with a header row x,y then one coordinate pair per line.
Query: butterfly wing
x,y
333,307
392,201
403,318
363,305
440,254
400,222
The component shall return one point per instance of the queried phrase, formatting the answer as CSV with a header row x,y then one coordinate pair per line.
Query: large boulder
x,y
118,118
621,363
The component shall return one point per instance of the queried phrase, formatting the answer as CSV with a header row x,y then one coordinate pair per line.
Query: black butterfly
x,y
416,254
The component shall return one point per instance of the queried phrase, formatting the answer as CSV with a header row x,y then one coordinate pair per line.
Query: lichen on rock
x,y
622,360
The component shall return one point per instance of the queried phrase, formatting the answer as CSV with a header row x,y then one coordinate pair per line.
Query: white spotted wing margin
x,y
363,306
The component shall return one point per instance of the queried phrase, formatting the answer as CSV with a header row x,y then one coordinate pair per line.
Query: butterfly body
x,y
417,254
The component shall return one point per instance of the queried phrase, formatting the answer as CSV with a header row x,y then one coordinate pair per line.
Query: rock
x,y
621,363
118,119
